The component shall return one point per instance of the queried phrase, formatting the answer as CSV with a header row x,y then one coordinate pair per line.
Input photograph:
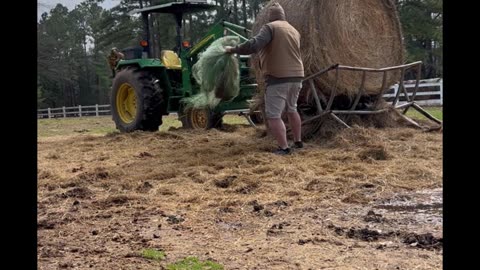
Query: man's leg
x,y
296,123
277,128
275,99
293,117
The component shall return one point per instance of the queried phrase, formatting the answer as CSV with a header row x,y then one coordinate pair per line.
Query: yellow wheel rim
x,y
126,102
199,118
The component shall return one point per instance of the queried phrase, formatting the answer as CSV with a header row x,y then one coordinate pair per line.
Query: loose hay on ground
x,y
222,220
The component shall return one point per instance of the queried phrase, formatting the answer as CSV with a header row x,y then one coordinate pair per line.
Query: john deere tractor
x,y
146,88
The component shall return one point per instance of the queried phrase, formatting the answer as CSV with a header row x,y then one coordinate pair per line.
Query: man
x,y
113,59
278,46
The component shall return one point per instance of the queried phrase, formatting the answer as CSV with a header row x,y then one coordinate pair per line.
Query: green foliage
x,y
422,22
72,49
40,98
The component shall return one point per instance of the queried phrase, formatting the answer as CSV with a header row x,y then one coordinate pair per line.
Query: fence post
x,y
96,109
64,112
49,113
80,110
441,92
395,90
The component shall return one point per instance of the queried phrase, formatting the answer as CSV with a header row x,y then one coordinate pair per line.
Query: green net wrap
x,y
217,73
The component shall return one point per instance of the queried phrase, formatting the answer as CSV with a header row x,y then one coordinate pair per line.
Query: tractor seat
x,y
171,60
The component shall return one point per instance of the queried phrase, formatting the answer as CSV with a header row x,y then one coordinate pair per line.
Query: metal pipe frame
x,y
401,90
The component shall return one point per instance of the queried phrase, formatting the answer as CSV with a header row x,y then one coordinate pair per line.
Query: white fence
x,y
430,93
78,111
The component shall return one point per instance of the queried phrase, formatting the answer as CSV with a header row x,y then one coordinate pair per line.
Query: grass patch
x,y
75,126
235,120
437,112
193,263
153,254
103,125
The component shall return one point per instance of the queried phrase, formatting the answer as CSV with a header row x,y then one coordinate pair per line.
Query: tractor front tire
x,y
136,102
201,119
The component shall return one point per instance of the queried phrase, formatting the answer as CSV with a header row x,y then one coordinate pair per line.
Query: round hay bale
x,y
362,33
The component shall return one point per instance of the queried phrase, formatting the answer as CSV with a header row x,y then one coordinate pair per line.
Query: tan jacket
x,y
281,57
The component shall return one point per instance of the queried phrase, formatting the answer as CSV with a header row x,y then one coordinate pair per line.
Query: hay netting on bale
x,y
359,33
217,73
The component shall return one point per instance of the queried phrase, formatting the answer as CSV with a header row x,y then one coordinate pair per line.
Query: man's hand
x,y
228,49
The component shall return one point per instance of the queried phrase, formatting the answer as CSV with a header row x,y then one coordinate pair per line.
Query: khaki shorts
x,y
279,96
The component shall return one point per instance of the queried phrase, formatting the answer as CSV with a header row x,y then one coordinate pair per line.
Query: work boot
x,y
280,151
297,145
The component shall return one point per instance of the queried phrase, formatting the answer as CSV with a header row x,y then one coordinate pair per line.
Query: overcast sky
x,y
47,5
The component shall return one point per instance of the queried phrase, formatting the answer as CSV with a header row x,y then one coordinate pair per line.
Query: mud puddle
x,y
425,206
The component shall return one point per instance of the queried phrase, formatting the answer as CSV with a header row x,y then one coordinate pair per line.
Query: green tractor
x,y
145,88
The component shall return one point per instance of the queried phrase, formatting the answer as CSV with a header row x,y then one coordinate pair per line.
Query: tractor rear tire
x,y
136,102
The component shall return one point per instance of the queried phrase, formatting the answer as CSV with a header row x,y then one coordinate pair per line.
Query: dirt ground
x,y
365,199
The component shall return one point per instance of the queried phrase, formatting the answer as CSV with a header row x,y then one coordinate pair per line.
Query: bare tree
x,y
244,9
235,12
